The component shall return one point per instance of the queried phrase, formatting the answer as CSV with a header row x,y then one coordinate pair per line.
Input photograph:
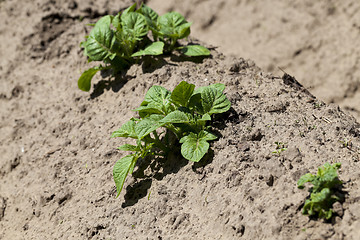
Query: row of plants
x,y
179,118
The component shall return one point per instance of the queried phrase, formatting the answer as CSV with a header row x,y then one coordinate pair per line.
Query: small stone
x,y
243,147
338,209
270,181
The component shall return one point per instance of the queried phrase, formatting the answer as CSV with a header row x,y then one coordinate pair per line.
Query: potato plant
x,y
323,193
184,112
119,41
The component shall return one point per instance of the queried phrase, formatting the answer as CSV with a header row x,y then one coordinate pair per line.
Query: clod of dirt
x,y
2,208
17,91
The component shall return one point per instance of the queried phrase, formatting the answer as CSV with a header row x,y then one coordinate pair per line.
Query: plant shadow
x,y
159,167
115,83
150,63
135,192
220,121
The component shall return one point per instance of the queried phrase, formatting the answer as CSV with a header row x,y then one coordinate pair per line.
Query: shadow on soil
x,y
148,64
159,168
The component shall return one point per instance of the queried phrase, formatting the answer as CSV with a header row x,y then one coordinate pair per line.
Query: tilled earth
x,y
57,154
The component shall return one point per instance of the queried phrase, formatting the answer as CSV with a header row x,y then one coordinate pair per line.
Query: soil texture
x,y
57,155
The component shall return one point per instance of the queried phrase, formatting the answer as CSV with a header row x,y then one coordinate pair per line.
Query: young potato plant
x,y
323,191
280,147
184,112
118,41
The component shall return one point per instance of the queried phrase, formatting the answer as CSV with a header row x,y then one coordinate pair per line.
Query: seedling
x,y
318,105
280,147
323,191
183,113
119,41
346,143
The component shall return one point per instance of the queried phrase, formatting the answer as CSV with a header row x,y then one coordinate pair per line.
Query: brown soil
x,y
315,41
57,154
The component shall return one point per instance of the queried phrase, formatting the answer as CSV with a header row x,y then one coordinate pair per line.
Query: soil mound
x,y
57,155
315,41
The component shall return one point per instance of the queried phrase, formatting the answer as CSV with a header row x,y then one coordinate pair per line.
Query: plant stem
x,y
172,44
175,130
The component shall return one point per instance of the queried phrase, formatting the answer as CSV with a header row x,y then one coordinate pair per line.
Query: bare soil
x,y
57,154
315,41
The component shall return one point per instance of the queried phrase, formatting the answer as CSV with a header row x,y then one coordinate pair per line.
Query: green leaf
x,y
101,43
148,125
155,48
184,30
130,9
319,203
196,98
158,97
327,177
321,196
83,45
208,136
121,170
205,117
194,50
126,130
116,22
129,147
194,147
151,108
218,86
176,117
195,102
148,12
132,166
84,82
150,15
182,93
157,94
173,25
214,101
201,120
327,214
304,179
134,25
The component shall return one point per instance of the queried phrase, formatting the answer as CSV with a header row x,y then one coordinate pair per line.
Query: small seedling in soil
x,y
280,147
346,143
119,41
166,118
323,193
318,105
